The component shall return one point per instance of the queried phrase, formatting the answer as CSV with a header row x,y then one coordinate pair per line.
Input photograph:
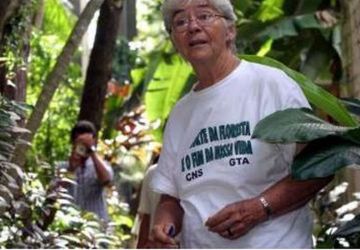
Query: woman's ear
x,y
231,33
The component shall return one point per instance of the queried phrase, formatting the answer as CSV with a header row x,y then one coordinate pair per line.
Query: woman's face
x,y
199,32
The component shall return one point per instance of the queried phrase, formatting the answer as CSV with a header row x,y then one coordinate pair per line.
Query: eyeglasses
x,y
181,23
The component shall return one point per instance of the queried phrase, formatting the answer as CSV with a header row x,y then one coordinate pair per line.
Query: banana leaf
x,y
316,95
165,88
301,126
269,10
330,147
254,30
324,157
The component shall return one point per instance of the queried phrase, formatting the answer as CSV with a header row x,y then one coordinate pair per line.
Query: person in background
x,y
92,173
146,210
220,187
148,202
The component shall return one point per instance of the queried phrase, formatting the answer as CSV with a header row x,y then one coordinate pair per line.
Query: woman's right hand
x,y
160,237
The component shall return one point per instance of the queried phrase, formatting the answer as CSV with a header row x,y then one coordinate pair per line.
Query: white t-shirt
x,y
209,160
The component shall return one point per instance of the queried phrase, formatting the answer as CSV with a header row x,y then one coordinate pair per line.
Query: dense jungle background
x,y
124,76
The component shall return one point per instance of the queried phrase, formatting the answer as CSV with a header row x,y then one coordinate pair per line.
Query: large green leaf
x,y
300,125
269,10
323,157
242,5
283,27
330,149
166,87
57,19
290,26
315,94
318,58
303,6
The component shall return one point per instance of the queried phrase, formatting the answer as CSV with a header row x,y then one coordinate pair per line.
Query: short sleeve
x,y
295,96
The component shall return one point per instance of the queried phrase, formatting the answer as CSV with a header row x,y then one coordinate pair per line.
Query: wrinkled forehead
x,y
183,6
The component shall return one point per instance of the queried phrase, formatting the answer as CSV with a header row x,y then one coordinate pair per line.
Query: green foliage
x,y
330,147
315,94
300,125
70,228
132,148
300,40
26,205
13,207
57,19
284,29
15,37
121,222
10,113
169,82
124,60
123,91
324,157
269,10
51,142
150,25
52,139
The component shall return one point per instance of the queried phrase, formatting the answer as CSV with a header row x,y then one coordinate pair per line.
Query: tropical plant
x,y
329,149
15,30
52,139
304,35
172,78
130,151
33,216
123,93
53,79
11,195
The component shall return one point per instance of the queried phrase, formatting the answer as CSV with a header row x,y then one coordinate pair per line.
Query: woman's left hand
x,y
236,219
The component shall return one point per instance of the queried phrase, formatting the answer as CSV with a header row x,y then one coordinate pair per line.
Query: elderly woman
x,y
221,188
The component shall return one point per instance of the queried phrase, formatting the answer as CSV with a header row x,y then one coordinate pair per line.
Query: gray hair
x,y
223,6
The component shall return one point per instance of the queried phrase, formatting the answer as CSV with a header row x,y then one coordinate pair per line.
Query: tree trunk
x,y
7,9
100,65
39,15
17,91
54,78
351,52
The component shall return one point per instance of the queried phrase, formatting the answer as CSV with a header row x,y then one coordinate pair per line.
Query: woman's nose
x,y
193,25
